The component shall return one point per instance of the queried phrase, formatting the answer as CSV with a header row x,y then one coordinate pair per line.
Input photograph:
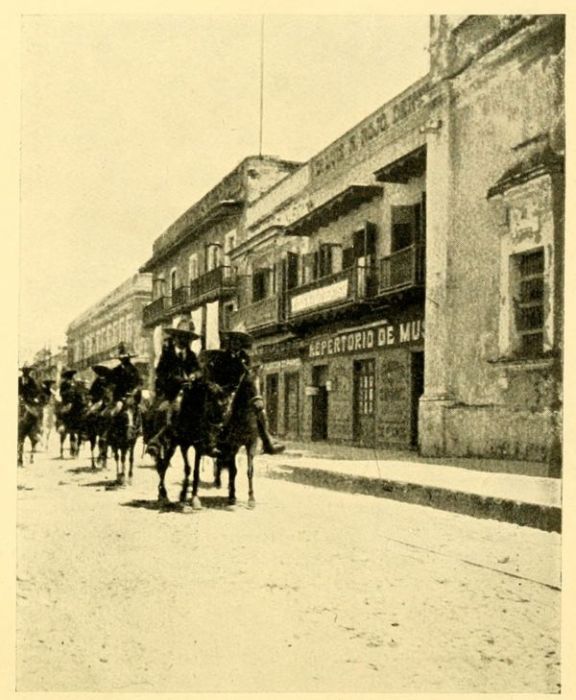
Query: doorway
x,y
363,406
416,391
291,403
272,402
320,403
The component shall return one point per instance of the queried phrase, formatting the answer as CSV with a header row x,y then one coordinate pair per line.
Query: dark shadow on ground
x,y
85,470
208,503
109,484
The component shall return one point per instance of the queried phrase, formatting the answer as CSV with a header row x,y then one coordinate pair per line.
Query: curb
x,y
548,518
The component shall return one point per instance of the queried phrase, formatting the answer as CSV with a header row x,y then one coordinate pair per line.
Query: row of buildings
x,y
404,285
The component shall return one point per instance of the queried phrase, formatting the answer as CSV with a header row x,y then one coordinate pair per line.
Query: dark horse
x,y
29,426
69,418
222,398
121,435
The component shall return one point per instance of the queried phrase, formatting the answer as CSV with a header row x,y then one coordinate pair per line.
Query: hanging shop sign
x,y
374,338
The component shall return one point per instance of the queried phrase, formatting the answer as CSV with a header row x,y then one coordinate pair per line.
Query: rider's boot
x,y
269,447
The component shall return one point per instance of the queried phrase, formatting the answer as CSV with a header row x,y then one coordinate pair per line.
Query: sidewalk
x,y
481,488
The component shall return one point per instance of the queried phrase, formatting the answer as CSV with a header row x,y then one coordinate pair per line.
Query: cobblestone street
x,y
312,591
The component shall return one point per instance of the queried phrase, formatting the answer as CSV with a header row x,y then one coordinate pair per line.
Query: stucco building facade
x,y
94,336
405,284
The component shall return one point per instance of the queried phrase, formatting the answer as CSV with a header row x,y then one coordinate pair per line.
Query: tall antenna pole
x,y
261,83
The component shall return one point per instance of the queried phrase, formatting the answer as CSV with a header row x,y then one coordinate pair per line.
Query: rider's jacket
x,y
97,390
28,389
68,390
173,367
124,379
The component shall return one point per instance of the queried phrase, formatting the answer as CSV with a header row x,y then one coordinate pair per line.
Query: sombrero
x,y
101,370
237,339
68,372
184,331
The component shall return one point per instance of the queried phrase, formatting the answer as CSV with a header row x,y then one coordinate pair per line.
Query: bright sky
x,y
128,119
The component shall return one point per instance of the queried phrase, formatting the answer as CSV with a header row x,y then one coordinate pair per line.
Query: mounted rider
x,y
236,345
125,381
28,389
68,388
178,364
99,390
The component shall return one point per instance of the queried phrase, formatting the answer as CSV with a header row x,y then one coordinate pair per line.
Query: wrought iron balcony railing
x,y
403,269
260,314
220,279
180,296
155,311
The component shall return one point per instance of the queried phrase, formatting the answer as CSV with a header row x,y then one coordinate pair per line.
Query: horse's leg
x,y
186,482
218,472
119,475
20,451
62,439
162,463
232,479
196,502
250,452
131,448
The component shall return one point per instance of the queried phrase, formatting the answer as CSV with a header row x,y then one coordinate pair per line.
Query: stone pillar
x,y
438,342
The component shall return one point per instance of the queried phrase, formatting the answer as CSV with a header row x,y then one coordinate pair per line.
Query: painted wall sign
x,y
368,131
377,337
319,297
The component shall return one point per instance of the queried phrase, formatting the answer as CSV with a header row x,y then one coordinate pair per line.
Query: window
x,y
404,226
260,284
158,287
292,270
193,267
365,376
229,244
173,280
212,256
529,302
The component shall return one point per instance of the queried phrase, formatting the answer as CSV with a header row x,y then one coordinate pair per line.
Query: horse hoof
x,y
251,503
196,503
163,499
186,508
217,484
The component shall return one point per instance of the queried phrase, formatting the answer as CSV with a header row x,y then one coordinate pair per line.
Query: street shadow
x,y
108,484
84,470
159,506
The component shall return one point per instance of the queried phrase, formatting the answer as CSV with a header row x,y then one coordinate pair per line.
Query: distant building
x,y
192,274
95,335
48,364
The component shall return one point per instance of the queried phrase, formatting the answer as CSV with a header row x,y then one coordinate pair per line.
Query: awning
x,y
411,165
344,202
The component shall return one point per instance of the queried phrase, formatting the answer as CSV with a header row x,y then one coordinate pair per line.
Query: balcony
x,y
402,270
180,297
155,311
216,283
342,288
264,314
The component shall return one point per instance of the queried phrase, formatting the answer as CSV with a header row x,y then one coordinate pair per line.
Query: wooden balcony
x,y
342,288
402,270
260,315
155,311
215,284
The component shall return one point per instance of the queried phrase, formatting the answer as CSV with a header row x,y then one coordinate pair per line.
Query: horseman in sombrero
x,y
236,344
178,364
28,389
125,379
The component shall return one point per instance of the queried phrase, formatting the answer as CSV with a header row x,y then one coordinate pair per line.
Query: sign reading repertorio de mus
x,y
359,340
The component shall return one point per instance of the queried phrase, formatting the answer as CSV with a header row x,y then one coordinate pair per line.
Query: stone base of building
x,y
450,429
